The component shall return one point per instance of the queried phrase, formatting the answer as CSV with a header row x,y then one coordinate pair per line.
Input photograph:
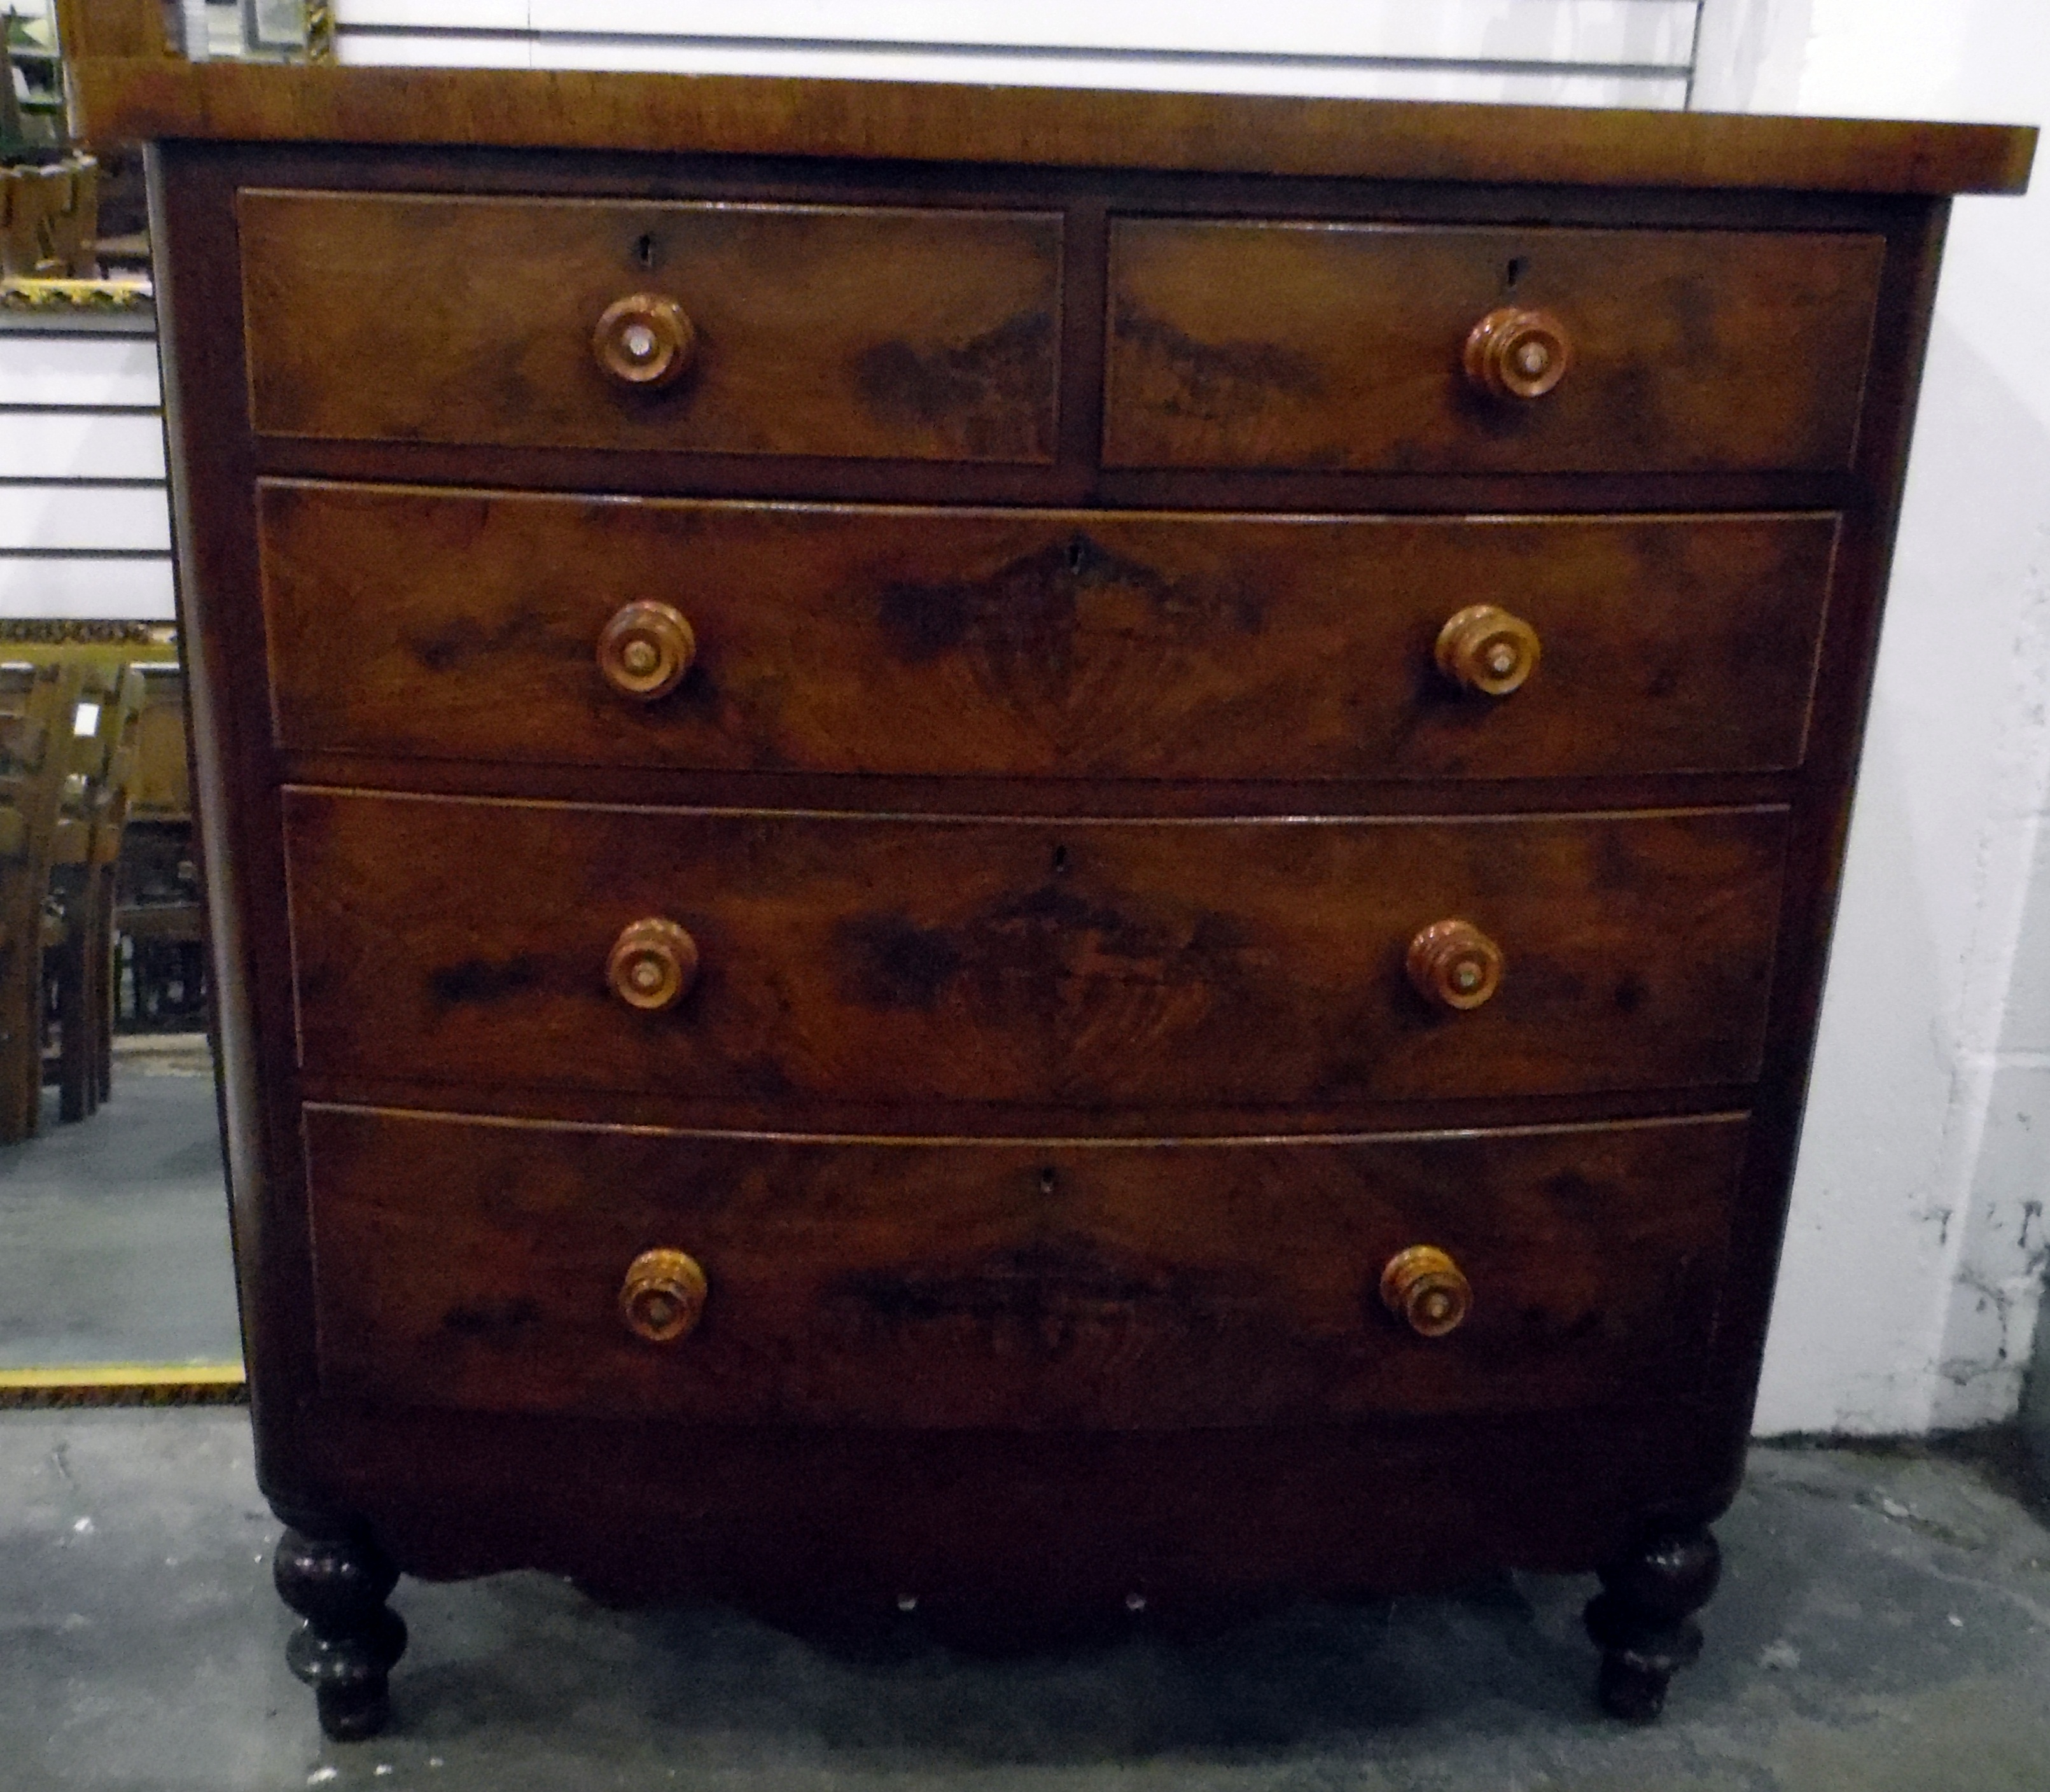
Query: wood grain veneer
x,y
129,96
1087,964
912,334
1046,1285
1009,643
1236,344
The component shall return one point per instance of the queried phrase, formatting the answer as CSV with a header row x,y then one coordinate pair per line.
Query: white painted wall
x,y
1914,1260
1584,52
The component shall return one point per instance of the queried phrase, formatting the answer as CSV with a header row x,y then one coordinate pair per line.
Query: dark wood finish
x,y
1238,344
345,1648
1643,1617
121,94
1047,1285
1068,644
792,1520
1085,964
819,331
786,1516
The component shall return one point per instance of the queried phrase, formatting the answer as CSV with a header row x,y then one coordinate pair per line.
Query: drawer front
x,y
1080,962
1052,644
919,335
480,1265
1331,346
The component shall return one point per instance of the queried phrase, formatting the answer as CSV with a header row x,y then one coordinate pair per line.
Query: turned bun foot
x,y
345,1649
1642,1618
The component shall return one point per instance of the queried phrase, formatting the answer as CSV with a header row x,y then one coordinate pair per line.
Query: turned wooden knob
x,y
1423,1287
1487,650
653,964
645,650
1514,353
1454,964
663,1295
646,341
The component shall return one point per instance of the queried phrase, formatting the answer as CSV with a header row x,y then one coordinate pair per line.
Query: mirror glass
x,y
114,1264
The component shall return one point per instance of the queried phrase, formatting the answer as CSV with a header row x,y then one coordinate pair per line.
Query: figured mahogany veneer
x,y
1015,847
1316,344
1049,1285
811,329
1081,963
1068,644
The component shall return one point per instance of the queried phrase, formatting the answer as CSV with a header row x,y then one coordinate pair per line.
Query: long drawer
x,y
1058,644
1081,963
858,331
1328,345
481,1265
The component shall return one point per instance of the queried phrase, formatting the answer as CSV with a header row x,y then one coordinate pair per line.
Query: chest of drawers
x,y
1051,854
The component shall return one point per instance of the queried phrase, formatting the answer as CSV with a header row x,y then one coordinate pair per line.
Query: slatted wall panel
x,y
83,519
84,528
1587,52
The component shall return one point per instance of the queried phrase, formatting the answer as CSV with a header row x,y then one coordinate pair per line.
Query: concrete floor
x,y
1883,1626
113,1230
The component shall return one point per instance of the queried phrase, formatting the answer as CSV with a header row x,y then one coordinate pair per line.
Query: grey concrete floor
x,y
114,1240
1883,1626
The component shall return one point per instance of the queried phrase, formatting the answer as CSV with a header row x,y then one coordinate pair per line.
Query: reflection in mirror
x,y
1584,52
253,30
114,1266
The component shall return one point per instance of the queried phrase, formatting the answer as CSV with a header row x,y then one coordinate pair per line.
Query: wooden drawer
x,y
465,625
1080,962
920,335
1342,345
478,1265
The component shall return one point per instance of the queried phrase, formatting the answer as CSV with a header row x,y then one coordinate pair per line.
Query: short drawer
x,y
1085,963
467,625
846,331
466,1263
1335,346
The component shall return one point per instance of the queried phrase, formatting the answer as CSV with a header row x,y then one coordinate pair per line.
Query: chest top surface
x,y
127,85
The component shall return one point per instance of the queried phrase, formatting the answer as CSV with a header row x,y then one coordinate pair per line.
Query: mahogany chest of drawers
x,y
1047,852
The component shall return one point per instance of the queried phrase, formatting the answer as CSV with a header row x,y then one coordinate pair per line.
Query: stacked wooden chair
x,y
159,916
38,711
78,925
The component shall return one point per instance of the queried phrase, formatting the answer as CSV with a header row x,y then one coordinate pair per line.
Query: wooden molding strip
x,y
69,1384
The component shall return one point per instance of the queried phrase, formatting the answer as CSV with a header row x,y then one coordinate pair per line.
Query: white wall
x,y
1585,52
1915,1259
